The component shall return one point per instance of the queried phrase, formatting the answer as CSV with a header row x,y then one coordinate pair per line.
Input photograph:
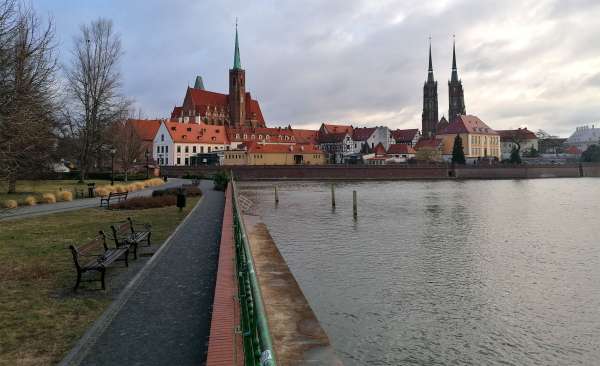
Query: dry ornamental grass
x,y
64,196
48,198
30,201
10,204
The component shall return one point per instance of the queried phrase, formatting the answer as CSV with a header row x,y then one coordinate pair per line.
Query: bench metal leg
x,y
149,235
78,281
102,273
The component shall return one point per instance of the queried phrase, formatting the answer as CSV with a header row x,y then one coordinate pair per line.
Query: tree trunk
x,y
12,184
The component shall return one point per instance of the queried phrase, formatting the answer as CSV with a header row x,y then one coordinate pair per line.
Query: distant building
x,y
145,129
429,150
456,95
371,136
478,139
400,153
264,135
269,154
406,137
336,142
509,139
236,109
175,143
583,137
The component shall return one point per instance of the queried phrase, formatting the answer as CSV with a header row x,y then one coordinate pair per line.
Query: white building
x,y
175,143
583,137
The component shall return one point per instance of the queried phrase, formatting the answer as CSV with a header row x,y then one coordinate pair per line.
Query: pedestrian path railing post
x,y
258,347
354,205
332,195
276,195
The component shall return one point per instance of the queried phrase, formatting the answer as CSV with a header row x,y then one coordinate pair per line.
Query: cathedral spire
x,y
237,64
430,73
454,70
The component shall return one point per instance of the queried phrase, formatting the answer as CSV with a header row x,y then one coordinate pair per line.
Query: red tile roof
x,y
198,133
428,144
379,149
521,134
363,133
329,128
332,137
203,101
467,124
279,148
400,149
145,128
573,150
275,134
405,135
306,136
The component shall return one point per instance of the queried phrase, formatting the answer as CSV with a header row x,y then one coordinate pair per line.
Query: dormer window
x,y
260,137
237,136
173,128
183,137
189,129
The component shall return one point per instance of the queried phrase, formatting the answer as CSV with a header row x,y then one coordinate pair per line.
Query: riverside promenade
x,y
162,317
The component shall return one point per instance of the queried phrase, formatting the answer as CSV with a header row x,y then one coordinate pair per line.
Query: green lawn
x,y
38,187
40,317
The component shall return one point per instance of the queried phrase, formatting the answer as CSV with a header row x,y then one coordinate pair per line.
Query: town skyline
x,y
370,74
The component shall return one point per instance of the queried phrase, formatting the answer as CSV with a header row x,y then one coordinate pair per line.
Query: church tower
x,y
237,89
429,118
456,97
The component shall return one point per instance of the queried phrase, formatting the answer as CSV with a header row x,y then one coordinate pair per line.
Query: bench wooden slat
x,y
96,256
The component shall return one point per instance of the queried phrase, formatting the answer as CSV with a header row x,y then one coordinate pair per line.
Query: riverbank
x,y
41,316
391,172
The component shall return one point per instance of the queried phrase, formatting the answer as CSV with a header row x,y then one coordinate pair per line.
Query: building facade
x,y
583,137
478,139
269,154
520,138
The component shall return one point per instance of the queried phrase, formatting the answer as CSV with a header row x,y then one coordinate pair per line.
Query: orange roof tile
x,y
198,133
145,128
467,124
400,149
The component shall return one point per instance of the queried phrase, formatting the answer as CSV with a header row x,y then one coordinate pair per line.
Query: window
x,y
178,161
158,149
187,161
162,137
194,149
187,149
167,160
167,149
208,149
178,149
201,149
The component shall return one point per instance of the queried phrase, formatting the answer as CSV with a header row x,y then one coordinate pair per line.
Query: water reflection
x,y
471,272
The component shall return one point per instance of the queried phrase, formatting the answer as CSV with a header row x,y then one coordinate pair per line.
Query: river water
x,y
502,272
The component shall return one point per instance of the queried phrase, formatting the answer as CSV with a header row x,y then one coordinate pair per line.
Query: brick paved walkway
x,y
165,320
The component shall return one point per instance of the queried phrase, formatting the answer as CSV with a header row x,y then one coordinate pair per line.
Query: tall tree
x,y
28,95
515,156
458,153
94,84
129,147
591,154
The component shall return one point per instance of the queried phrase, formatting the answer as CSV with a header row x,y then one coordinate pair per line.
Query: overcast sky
x,y
522,63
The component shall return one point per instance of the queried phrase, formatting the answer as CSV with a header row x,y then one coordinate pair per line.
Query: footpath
x,y
162,317
45,209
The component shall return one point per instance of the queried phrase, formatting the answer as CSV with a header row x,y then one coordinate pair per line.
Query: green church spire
x,y
237,64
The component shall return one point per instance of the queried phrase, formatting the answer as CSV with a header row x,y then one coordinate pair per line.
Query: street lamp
x,y
147,166
113,151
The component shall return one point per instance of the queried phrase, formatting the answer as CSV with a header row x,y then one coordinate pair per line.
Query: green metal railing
x,y
258,348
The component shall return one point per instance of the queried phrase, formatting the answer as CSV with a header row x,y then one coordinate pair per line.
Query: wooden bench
x,y
128,233
122,196
96,256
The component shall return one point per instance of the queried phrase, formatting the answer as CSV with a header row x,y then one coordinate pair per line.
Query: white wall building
x,y
583,137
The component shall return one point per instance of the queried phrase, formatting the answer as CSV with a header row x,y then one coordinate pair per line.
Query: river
x,y
481,272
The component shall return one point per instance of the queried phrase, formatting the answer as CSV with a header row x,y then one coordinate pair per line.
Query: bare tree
x,y
28,97
129,146
94,83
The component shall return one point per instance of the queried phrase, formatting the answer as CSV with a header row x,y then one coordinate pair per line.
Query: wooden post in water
x,y
276,195
354,205
332,196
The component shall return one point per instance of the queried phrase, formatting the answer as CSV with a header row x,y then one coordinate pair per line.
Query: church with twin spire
x,y
431,125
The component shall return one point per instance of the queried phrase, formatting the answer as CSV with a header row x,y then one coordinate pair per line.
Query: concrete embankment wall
x,y
298,338
391,172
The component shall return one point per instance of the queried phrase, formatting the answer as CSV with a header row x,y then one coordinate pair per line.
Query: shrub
x,y
10,204
140,203
190,191
154,182
48,198
30,201
131,187
220,180
64,196
101,191
120,188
